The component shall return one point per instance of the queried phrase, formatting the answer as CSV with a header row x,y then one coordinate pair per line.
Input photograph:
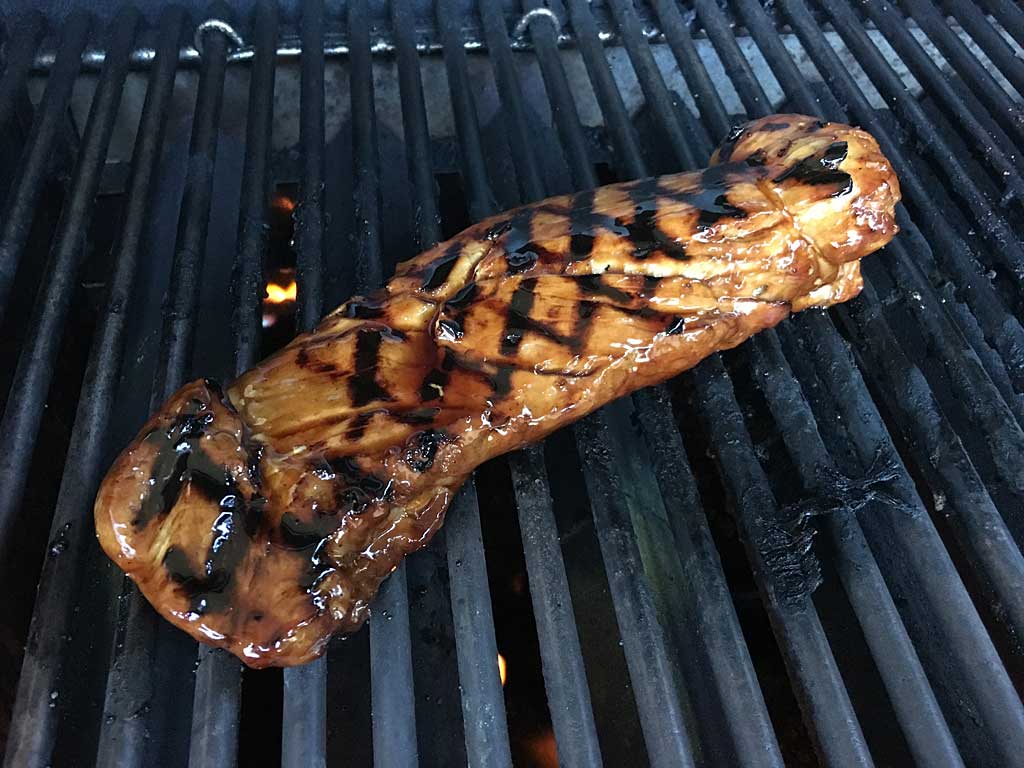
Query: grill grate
x,y
893,425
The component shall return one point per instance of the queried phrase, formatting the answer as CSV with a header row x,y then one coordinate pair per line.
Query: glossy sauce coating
x,y
262,519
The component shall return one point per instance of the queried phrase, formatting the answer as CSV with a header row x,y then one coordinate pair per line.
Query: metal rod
x,y
716,664
414,123
471,156
664,104
563,105
705,95
1002,330
19,48
1004,110
370,269
309,221
1010,17
437,710
257,184
131,680
990,41
946,628
34,720
751,735
304,727
500,53
27,187
905,681
483,705
752,738
722,36
565,678
995,228
938,452
822,695
629,156
391,678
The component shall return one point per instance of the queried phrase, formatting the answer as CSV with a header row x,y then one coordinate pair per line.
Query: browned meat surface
x,y
262,519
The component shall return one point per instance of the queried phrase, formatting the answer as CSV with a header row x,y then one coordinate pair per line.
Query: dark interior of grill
x,y
804,551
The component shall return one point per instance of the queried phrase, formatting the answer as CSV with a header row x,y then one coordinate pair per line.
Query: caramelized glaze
x,y
262,519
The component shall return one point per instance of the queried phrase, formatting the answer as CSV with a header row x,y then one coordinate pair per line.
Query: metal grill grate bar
x,y
1009,16
215,708
692,677
27,399
34,721
990,41
483,705
991,220
19,51
838,734
304,733
28,182
1002,330
391,679
124,737
1008,114
916,708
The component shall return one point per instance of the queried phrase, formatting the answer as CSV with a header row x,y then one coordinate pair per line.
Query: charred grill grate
x,y
144,173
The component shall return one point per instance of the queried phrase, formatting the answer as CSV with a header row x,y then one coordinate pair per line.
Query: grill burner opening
x,y
152,191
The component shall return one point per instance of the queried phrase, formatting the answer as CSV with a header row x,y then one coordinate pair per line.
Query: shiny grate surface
x,y
806,550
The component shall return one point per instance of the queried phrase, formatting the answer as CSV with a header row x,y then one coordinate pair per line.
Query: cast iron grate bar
x,y
34,721
391,678
1007,113
967,109
1009,15
991,698
432,725
953,678
803,640
215,708
990,41
131,683
19,50
1002,330
304,722
26,188
27,399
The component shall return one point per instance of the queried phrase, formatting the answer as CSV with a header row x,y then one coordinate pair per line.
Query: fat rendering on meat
x,y
263,517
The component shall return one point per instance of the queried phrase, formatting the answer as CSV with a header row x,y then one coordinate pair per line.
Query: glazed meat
x,y
262,518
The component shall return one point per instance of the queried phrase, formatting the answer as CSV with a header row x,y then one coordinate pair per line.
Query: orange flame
x,y
502,669
281,294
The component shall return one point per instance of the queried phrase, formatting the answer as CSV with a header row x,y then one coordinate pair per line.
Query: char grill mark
x,y
711,198
643,230
584,317
518,320
581,229
437,272
596,285
522,253
180,462
821,169
727,147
